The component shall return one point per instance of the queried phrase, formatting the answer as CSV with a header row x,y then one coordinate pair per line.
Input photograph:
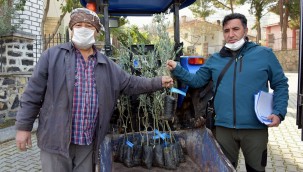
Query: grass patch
x,y
7,123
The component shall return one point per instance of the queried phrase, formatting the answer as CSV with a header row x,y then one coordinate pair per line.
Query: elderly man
x,y
73,90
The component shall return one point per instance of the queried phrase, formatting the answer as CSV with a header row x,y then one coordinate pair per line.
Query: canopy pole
x,y
107,46
178,45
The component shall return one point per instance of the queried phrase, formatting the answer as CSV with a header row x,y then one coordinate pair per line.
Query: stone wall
x,y
11,88
16,65
289,59
16,53
17,57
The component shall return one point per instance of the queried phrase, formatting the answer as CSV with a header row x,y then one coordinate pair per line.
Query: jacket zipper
x,y
239,58
234,93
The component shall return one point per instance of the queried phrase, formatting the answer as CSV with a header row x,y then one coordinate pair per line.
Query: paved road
x,y
285,152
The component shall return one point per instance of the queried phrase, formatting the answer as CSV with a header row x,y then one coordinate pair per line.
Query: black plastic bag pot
x,y
158,159
175,156
137,155
147,156
180,152
169,106
121,152
128,156
169,162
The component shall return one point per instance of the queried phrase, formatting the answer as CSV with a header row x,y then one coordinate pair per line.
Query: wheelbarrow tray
x,y
199,144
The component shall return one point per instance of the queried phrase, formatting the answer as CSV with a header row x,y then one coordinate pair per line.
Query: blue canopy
x,y
139,7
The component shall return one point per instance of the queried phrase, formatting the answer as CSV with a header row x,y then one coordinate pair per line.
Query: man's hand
x,y
275,120
23,140
167,81
171,65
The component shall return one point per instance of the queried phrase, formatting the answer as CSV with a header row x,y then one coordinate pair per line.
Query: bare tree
x,y
258,8
284,24
44,17
289,12
226,4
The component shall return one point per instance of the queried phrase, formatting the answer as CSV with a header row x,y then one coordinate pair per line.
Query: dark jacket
x,y
250,72
49,94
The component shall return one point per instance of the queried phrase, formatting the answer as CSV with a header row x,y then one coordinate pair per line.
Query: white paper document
x,y
263,106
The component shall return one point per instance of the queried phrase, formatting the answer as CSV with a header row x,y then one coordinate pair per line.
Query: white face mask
x,y
83,37
235,46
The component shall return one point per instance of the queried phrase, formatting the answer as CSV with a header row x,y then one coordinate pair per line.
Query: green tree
x,y
8,11
124,34
137,36
202,8
294,14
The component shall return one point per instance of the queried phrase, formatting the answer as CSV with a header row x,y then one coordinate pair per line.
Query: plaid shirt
x,y
85,101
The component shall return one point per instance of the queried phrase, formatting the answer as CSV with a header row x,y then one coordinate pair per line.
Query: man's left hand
x,y
275,120
167,81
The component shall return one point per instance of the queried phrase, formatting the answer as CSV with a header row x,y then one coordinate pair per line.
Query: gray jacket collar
x,y
69,47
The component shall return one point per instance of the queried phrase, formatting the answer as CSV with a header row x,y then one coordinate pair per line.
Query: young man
x,y
252,68
73,90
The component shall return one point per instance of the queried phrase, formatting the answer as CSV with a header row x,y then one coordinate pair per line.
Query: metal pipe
x,y
107,46
1,53
176,22
299,120
177,28
37,48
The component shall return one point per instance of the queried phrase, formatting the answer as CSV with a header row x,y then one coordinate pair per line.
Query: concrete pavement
x,y
285,148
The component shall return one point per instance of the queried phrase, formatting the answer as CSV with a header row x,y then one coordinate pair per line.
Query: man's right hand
x,y
171,65
23,140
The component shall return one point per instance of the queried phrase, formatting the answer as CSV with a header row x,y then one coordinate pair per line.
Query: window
x,y
191,50
185,35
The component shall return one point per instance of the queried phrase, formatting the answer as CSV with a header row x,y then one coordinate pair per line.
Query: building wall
x,y
275,30
32,20
32,17
215,42
202,36
53,16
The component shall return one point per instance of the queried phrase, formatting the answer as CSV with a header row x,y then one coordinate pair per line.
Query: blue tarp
x,y
139,7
